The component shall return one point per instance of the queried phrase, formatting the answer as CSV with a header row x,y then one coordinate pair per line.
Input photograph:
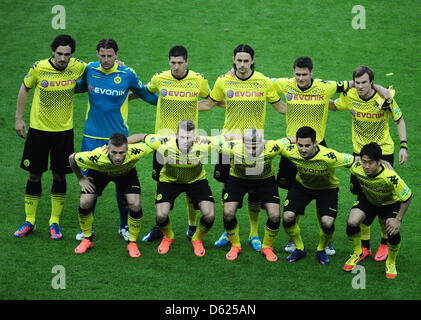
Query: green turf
x,y
279,31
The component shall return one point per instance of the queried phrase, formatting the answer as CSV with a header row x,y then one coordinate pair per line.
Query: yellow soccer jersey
x,y
369,122
52,104
253,168
179,167
308,108
318,172
385,188
98,160
178,99
245,100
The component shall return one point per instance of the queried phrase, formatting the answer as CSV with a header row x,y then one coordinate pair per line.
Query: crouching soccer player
x,y
316,180
117,163
384,194
183,156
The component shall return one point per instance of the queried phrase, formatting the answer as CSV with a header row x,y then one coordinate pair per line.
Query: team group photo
x,y
197,151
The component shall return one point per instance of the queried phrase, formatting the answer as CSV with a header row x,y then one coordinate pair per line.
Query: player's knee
x,y
328,224
34,177
289,217
85,211
353,221
229,211
230,224
207,222
273,224
86,203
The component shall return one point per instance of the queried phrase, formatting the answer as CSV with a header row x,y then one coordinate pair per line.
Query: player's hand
x,y
87,184
292,139
385,93
120,63
20,128
105,149
403,156
387,164
392,226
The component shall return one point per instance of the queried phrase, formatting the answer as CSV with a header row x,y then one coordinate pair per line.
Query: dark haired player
x,y
50,129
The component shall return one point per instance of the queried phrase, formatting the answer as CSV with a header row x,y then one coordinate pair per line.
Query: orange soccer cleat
x,y
164,247
233,253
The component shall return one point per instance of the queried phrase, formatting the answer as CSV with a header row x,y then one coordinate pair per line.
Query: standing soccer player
x,y
179,91
184,155
252,170
115,162
108,85
384,194
50,129
316,180
370,123
245,92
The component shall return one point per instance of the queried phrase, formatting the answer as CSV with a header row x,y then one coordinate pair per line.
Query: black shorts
x,y
265,190
371,211
299,197
287,172
128,183
197,191
354,185
157,165
41,144
221,172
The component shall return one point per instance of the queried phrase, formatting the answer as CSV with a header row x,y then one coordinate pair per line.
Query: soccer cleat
x,y
296,255
366,253
222,241
124,232
153,235
80,236
352,262
233,253
268,253
391,272
84,246
322,257
190,232
25,229
133,249
199,250
55,232
329,249
382,253
164,247
290,247
255,243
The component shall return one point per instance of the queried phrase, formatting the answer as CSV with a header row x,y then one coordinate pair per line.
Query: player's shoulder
x,y
41,64
162,74
195,74
76,63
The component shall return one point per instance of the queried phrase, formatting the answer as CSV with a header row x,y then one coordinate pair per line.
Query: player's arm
x,y
82,84
208,103
280,106
393,225
20,125
332,106
85,182
143,93
135,138
403,153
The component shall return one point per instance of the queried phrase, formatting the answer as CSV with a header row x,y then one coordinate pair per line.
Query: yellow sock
x,y
191,212
167,230
382,223
254,213
134,227
393,252
57,203
234,236
294,233
269,237
324,240
201,231
31,205
355,241
365,232
86,222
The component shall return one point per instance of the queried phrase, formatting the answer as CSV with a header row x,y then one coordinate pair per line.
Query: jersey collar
x,y
109,71
252,72
182,76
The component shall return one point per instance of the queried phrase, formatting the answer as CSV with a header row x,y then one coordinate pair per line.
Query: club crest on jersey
x,y
117,80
